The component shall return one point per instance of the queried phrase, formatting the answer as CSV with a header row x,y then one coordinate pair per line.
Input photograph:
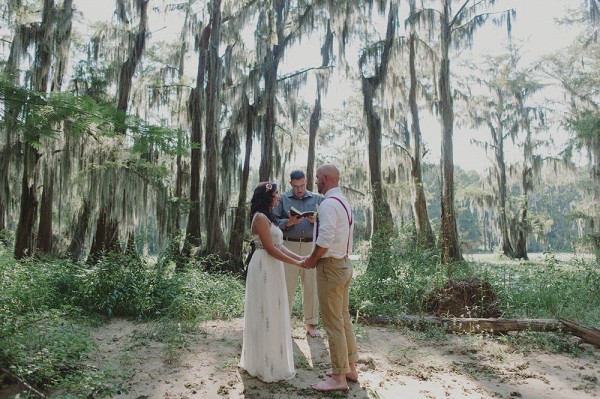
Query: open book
x,y
296,212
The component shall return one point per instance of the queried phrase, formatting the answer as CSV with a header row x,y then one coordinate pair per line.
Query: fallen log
x,y
590,335
474,325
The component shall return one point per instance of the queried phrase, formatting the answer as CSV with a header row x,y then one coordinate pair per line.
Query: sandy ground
x,y
393,364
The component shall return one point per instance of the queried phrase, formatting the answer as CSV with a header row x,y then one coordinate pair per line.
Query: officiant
x,y
298,237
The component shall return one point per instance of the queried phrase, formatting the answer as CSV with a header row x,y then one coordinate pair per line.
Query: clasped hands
x,y
308,262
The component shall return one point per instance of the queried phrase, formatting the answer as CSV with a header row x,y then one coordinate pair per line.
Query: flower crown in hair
x,y
268,186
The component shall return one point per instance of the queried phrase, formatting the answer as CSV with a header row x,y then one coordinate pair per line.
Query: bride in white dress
x,y
267,351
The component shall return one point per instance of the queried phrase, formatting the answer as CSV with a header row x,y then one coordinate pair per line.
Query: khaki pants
x,y
333,285
308,279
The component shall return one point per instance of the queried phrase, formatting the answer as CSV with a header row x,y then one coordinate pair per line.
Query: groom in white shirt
x,y
332,242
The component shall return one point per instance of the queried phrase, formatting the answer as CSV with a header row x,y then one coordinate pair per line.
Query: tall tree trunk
x,y
44,237
382,215
62,39
107,233
10,119
521,241
498,137
215,242
174,224
526,183
275,36
315,117
129,66
313,128
450,244
63,42
106,238
5,161
24,244
80,231
236,239
174,215
193,238
270,76
273,55
424,231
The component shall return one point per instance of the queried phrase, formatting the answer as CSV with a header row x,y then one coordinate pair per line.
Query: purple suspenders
x,y
350,221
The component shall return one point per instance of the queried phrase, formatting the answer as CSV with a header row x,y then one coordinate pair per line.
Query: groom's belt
x,y
298,239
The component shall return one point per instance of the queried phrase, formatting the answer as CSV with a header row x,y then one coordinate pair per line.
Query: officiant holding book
x,y
297,227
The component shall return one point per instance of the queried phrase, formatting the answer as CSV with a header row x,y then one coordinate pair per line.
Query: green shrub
x,y
27,285
199,295
548,289
49,350
398,275
117,285
43,340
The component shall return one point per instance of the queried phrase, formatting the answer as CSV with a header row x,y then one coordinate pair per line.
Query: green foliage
x,y
45,341
152,138
118,285
533,340
199,295
39,115
124,285
49,349
550,289
586,126
397,278
400,275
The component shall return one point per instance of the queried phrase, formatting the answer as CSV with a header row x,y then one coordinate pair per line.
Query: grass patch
x,y
525,341
397,277
44,335
547,289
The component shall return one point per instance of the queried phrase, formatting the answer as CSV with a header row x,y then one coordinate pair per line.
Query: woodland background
x,y
114,140
133,132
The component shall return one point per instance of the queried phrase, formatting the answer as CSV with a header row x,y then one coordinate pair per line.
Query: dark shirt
x,y
303,229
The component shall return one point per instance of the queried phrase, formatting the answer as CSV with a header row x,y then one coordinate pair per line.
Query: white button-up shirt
x,y
334,233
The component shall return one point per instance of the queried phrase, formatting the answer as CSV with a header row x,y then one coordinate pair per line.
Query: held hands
x,y
300,262
309,262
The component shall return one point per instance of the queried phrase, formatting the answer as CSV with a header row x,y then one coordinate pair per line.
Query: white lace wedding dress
x,y
267,351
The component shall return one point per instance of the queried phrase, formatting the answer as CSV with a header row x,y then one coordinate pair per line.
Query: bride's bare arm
x,y
292,254
262,227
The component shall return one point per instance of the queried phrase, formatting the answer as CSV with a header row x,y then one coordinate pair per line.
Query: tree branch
x,y
22,381
455,18
168,86
353,190
403,149
300,72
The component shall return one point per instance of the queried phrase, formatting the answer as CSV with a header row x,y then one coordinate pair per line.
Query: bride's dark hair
x,y
262,200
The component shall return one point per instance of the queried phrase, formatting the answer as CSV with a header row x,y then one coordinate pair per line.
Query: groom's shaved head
x,y
328,176
332,173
